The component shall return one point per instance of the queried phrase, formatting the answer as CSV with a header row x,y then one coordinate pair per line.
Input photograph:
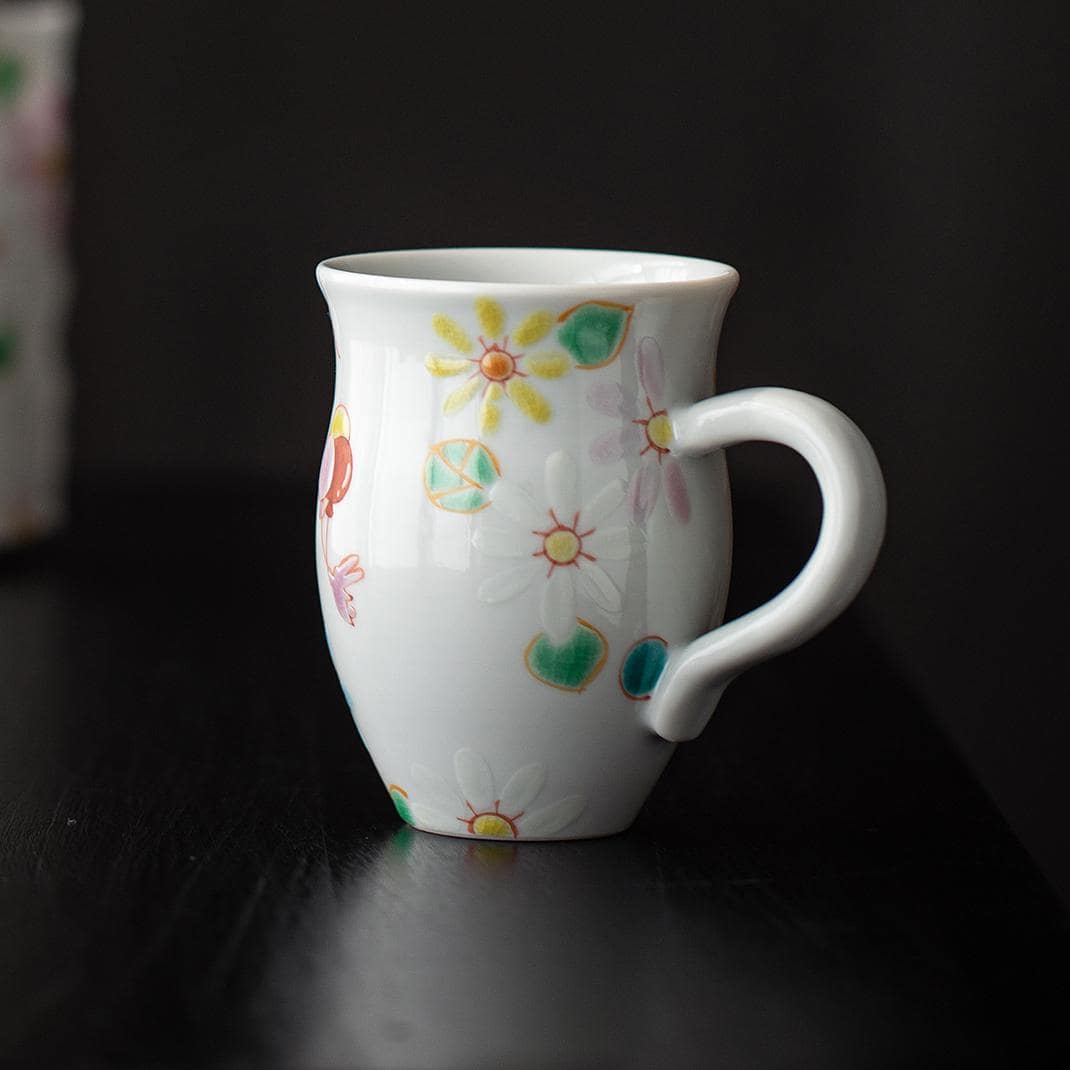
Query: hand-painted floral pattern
x,y
336,468
645,433
642,667
476,807
594,332
564,544
496,366
569,666
342,576
458,475
336,473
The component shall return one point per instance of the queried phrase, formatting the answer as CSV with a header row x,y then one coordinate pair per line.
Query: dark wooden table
x,y
199,867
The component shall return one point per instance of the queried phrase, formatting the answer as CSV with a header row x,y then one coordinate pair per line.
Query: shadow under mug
x,y
523,527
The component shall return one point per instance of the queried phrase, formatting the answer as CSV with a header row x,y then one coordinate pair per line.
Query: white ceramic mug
x,y
524,527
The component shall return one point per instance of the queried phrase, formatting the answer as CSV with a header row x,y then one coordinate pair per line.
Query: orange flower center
x,y
497,365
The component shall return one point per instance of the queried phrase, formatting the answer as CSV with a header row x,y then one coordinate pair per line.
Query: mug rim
x,y
606,269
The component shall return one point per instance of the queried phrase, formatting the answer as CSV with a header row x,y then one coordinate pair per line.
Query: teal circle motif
x,y
642,666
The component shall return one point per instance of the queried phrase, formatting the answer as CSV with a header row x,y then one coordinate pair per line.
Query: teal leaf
x,y
594,332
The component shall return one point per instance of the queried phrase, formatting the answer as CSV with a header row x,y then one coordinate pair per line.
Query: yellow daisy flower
x,y
496,368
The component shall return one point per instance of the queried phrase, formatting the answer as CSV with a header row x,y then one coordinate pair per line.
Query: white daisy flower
x,y
563,544
479,809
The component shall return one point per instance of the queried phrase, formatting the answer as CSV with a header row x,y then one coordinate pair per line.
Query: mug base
x,y
561,837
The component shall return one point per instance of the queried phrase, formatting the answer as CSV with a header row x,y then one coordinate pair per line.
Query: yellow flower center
x,y
492,825
659,431
497,365
562,546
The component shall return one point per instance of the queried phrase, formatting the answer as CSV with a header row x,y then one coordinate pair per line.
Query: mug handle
x,y
852,527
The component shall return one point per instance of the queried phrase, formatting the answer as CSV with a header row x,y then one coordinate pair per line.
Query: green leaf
x,y
572,665
594,332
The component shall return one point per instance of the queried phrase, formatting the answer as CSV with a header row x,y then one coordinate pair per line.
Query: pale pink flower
x,y
646,433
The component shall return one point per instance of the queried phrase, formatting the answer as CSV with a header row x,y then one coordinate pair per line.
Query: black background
x,y
884,178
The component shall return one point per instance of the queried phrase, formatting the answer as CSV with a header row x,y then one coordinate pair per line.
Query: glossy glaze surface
x,y
520,497
508,591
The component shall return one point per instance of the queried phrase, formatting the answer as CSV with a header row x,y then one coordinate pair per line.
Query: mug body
x,y
507,545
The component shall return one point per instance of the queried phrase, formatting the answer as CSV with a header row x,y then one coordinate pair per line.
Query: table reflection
x,y
442,952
